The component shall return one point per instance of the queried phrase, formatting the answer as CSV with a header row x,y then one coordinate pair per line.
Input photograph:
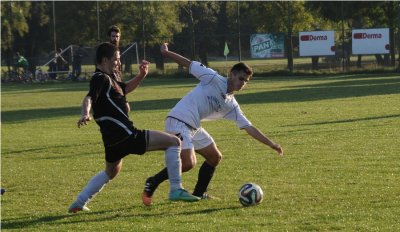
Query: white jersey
x,y
208,100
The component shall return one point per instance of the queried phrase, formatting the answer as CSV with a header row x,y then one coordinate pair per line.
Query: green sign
x,y
267,45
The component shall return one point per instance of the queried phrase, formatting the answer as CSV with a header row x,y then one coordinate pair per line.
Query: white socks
x,y
94,186
173,162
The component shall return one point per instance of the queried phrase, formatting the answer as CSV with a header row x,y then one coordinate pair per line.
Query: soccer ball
x,y
250,194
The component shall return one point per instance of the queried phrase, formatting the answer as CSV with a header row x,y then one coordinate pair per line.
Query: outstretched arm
x,y
86,106
257,134
133,83
183,61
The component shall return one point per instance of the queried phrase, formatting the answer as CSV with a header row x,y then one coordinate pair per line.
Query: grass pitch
x,y
340,171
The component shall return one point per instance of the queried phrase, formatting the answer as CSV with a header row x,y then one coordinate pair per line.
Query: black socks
x,y
160,177
206,172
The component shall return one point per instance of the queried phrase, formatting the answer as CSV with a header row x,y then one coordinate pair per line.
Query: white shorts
x,y
191,138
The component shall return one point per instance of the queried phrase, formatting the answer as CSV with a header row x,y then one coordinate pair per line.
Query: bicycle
x,y
18,76
40,75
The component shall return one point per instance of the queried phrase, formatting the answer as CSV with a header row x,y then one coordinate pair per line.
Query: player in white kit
x,y
211,99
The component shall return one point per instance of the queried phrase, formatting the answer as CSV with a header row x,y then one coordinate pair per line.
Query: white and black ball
x,y
250,194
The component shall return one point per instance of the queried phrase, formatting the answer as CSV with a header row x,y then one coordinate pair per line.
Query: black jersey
x,y
109,108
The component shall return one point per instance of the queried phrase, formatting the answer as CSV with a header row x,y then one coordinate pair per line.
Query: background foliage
x,y
197,28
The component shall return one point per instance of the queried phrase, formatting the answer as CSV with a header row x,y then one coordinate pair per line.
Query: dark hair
x,y
242,67
105,50
113,28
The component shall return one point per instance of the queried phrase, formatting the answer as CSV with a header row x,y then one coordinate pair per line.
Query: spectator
x,y
53,69
114,34
22,62
57,64
77,62
62,64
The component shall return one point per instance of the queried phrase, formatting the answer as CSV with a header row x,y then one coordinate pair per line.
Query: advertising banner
x,y
317,43
370,41
267,45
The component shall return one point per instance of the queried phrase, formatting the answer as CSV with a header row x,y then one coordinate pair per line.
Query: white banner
x,y
317,43
370,41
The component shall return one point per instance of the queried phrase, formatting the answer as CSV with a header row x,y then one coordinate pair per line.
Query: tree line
x,y
194,28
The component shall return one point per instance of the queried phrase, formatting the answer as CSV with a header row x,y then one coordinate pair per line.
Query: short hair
x,y
242,67
105,50
113,28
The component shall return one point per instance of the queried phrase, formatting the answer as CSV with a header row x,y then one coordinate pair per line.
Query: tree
x,y
13,24
361,14
197,28
275,17
76,23
147,23
205,15
222,26
161,23
37,40
391,10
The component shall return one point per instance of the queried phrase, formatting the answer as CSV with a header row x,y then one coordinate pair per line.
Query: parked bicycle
x,y
17,75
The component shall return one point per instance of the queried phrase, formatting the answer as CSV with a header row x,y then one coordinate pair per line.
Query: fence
x,y
213,48
51,69
342,60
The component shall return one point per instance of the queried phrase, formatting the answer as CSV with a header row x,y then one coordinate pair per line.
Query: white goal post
x,y
129,48
70,51
55,57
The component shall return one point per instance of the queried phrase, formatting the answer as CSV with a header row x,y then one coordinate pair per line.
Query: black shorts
x,y
136,143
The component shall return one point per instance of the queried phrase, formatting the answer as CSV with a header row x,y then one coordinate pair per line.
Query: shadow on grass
x,y
45,87
105,215
40,150
49,113
25,222
32,150
347,120
38,114
84,86
325,91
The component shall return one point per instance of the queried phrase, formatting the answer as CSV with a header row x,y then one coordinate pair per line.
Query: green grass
x,y
340,171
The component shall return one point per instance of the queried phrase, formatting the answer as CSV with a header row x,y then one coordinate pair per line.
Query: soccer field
x,y
340,172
